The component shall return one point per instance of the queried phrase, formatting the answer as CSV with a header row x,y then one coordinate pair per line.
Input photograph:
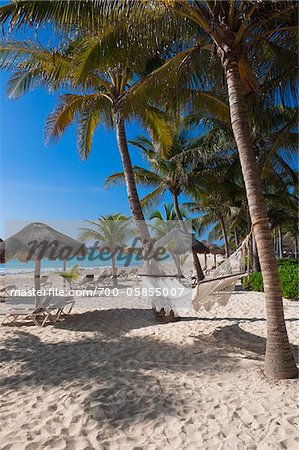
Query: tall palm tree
x,y
250,38
112,232
254,43
216,209
171,173
103,70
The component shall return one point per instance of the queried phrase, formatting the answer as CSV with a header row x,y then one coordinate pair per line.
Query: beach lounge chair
x,y
56,306
5,291
104,279
26,308
85,283
49,308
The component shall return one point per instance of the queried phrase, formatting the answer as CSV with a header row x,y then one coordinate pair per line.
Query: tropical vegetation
x,y
111,233
225,61
288,274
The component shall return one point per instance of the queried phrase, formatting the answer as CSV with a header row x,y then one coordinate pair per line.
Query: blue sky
x,y
40,183
51,183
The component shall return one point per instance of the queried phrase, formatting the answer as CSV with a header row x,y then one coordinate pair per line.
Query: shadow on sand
x,y
130,370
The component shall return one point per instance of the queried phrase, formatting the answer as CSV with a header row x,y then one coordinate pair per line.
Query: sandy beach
x,y
110,377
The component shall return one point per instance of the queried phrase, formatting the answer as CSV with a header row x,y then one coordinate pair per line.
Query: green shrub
x,y
289,279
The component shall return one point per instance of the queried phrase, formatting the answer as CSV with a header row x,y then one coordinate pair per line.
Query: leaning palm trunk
x,y
236,235
199,273
133,198
280,244
256,267
279,359
224,234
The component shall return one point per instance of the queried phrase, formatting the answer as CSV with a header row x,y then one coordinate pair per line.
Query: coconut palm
x,y
283,213
173,174
254,43
103,71
71,275
215,211
112,232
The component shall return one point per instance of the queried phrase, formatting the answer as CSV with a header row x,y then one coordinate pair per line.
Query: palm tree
x,y
283,212
254,44
112,232
70,275
172,173
104,71
216,210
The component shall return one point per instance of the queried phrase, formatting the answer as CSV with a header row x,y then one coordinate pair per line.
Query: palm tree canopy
x,y
111,231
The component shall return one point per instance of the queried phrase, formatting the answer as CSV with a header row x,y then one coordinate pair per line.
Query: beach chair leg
x,y
58,314
46,317
52,317
70,310
5,319
35,320
9,319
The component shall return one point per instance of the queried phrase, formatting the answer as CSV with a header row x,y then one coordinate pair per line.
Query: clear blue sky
x,y
40,183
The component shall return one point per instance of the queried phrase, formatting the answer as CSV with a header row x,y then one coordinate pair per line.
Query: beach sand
x,y
110,377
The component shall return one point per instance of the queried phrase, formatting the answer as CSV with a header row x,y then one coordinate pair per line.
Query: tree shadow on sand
x,y
126,378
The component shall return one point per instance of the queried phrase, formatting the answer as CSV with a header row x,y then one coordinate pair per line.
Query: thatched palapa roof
x,y
47,242
214,249
181,242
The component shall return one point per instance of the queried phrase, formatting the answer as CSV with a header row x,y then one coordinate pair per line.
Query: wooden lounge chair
x,y
5,291
49,309
26,308
56,306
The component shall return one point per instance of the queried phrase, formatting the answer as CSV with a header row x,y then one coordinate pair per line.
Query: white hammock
x,y
167,292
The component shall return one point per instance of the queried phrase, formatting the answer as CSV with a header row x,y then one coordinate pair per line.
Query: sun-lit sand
x,y
110,377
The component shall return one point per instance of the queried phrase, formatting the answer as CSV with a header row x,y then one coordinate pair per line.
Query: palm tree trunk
x,y
279,359
256,267
280,245
224,234
236,233
114,269
199,272
133,198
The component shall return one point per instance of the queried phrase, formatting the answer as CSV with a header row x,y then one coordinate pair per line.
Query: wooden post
x,y
37,279
64,269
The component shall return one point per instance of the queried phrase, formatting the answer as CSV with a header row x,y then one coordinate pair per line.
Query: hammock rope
x,y
217,288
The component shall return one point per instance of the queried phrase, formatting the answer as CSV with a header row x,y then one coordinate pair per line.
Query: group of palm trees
x,y
229,67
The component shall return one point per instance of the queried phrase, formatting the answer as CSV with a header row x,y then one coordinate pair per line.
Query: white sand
x,y
110,377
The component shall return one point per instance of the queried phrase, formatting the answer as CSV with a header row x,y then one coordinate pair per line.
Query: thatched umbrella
x,y
214,250
199,247
37,241
182,242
